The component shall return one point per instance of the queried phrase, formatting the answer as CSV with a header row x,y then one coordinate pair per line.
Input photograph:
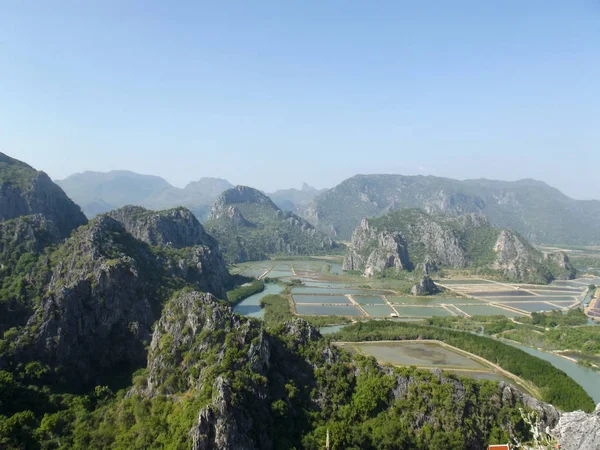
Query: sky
x,y
274,93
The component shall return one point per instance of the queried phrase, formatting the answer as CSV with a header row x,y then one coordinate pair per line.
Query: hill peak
x,y
244,194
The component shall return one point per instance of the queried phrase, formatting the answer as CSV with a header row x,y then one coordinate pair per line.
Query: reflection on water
x,y
251,305
588,379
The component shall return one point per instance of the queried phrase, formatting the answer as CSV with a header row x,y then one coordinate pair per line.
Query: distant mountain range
x,y
100,192
540,213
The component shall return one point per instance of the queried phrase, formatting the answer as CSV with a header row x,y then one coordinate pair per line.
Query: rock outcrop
x,y
24,191
538,212
409,239
578,430
249,226
104,294
177,227
389,251
254,373
425,286
27,234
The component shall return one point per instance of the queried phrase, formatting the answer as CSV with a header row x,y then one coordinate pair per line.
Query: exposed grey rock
x,y
176,227
249,226
186,316
578,430
389,250
221,426
425,286
97,312
27,234
104,294
240,194
559,261
25,191
537,211
408,239
548,414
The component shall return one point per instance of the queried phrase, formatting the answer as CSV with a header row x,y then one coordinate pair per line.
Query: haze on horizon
x,y
271,95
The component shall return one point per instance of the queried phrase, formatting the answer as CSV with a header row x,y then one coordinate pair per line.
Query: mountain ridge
x,y
249,226
410,238
538,211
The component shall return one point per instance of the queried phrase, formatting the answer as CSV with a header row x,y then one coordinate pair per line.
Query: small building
x,y
499,447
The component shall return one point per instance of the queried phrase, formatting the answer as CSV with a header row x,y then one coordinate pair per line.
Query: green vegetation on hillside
x,y
556,387
359,404
248,227
539,212
245,290
15,173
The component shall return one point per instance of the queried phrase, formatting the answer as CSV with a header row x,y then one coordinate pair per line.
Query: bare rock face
x,y
24,191
388,250
579,430
104,294
516,258
185,317
425,286
562,269
377,245
27,234
240,195
408,239
177,228
249,226
220,426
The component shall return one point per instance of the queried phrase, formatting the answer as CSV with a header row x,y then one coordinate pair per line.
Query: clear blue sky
x,y
273,93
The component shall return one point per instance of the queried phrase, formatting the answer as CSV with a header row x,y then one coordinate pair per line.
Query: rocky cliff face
x,y
535,210
518,260
248,225
27,234
104,293
240,195
388,249
25,191
255,374
177,228
414,238
99,306
578,430
425,286
407,239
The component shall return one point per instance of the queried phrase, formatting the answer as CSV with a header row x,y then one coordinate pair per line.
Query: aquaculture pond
x,y
378,310
532,307
433,300
532,299
415,311
320,299
320,310
465,281
487,310
421,354
319,290
515,293
369,299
